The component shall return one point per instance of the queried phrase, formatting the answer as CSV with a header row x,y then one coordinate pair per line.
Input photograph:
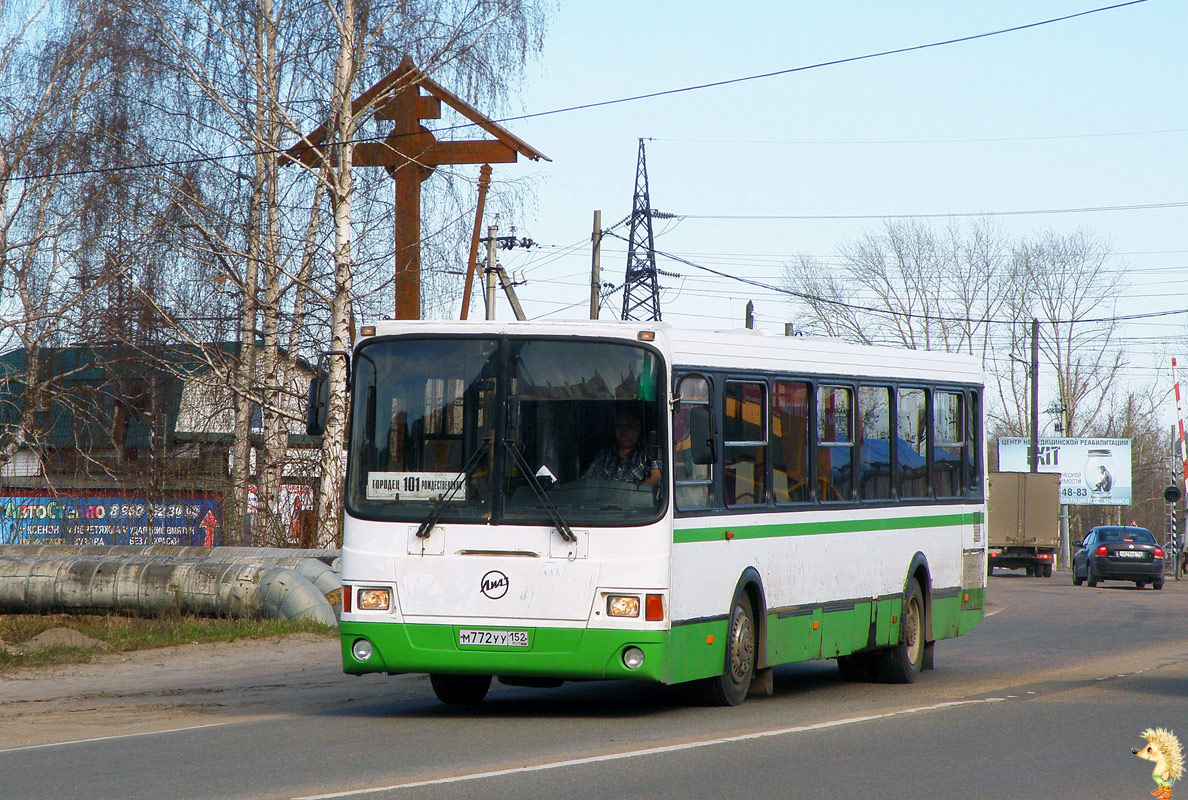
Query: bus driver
x,y
628,459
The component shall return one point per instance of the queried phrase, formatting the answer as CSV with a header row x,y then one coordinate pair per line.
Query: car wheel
x,y
902,663
1157,584
1090,578
1047,570
1077,579
460,690
1140,584
730,688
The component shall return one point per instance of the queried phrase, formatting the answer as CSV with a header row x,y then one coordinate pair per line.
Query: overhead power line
x,y
988,140
904,314
937,214
597,104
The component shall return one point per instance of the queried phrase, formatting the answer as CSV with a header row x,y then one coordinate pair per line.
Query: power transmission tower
x,y
641,294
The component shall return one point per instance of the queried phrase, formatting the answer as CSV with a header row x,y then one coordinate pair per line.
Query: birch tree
x,y
47,79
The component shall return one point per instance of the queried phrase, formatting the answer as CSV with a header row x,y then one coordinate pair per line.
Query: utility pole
x,y
1034,394
489,294
641,294
595,265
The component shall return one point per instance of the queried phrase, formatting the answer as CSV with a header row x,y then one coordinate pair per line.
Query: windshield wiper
x,y
549,506
439,505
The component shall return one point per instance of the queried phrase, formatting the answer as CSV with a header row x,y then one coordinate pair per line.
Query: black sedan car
x,y
1119,553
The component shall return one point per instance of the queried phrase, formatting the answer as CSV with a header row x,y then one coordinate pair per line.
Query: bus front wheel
x,y
460,690
731,687
902,662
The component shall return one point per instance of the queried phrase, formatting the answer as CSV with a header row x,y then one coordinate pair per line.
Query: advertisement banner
x,y
101,519
1093,472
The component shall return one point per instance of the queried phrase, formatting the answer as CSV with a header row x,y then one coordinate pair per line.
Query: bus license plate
x,y
481,638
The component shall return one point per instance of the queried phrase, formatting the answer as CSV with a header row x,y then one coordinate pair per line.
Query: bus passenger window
x,y
948,423
911,442
745,443
874,467
835,443
693,482
790,441
973,450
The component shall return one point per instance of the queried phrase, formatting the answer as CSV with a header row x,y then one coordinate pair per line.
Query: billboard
x,y
110,519
1093,472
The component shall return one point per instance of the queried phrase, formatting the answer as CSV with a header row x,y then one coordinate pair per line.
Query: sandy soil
x,y
176,687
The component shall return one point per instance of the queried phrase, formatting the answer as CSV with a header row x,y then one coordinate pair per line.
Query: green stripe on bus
x,y
714,534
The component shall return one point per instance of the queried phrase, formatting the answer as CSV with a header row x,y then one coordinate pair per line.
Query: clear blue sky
x,y
1089,112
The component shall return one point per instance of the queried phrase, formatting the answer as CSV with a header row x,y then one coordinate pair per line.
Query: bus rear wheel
x,y
902,662
460,690
731,687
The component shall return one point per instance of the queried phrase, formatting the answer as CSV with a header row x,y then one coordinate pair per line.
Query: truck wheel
x,y
902,663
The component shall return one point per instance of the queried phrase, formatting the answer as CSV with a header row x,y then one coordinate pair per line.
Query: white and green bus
x,y
782,499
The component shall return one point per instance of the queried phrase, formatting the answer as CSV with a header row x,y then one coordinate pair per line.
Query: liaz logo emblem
x,y
494,584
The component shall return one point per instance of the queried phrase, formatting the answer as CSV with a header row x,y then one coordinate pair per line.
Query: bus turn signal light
x,y
654,608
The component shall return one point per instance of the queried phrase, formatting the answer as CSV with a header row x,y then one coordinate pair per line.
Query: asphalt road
x,y
1045,698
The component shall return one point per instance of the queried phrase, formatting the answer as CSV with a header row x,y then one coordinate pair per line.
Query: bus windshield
x,y
496,430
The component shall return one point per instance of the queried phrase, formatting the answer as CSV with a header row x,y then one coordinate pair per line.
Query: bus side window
x,y
874,466
911,442
744,443
693,482
948,452
973,450
835,443
790,441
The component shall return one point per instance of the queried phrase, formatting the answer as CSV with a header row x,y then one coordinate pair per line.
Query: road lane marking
x,y
111,738
651,751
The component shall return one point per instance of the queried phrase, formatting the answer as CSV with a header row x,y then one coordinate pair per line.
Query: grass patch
x,y
124,634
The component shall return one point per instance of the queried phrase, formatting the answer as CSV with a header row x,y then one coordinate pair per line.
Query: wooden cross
x,y
410,153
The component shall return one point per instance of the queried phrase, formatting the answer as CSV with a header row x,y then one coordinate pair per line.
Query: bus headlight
x,y
375,599
361,650
633,658
622,605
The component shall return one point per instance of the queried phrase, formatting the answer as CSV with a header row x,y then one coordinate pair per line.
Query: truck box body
x,y
1023,520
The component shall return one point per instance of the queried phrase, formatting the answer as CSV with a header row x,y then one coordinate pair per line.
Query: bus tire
x,y
460,690
731,687
902,663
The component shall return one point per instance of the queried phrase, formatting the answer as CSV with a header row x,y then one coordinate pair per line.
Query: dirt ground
x,y
177,687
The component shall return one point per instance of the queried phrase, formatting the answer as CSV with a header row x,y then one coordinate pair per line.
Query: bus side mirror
x,y
316,407
701,435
